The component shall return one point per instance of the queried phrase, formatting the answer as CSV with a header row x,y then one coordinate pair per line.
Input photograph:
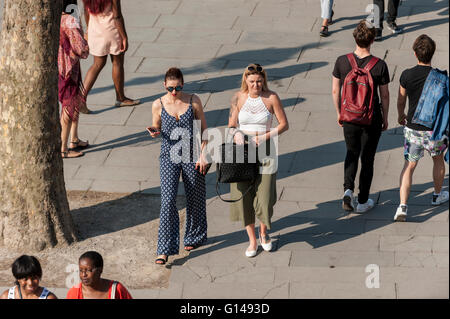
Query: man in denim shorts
x,y
417,136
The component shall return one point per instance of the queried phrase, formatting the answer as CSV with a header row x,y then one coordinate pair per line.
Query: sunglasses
x,y
176,88
258,68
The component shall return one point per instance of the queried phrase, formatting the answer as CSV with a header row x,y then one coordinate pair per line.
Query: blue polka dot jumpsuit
x,y
194,185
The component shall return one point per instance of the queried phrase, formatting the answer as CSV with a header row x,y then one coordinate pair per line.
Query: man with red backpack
x,y
360,112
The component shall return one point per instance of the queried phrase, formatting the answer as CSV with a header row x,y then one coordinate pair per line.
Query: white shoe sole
x,y
360,211
400,217
250,253
438,203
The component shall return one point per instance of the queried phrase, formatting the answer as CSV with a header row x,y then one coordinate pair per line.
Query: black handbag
x,y
235,167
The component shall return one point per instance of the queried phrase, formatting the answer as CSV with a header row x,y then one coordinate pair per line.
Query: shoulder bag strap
x,y
20,292
113,290
232,200
44,294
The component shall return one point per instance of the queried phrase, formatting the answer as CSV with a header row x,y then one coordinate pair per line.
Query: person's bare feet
x,y
71,154
78,145
127,102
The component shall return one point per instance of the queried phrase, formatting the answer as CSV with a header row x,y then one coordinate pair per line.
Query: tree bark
x,y
34,211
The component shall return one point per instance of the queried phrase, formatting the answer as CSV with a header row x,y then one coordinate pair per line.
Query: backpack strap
x,y
371,63
368,67
352,60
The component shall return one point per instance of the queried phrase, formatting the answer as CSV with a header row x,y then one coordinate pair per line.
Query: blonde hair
x,y
247,72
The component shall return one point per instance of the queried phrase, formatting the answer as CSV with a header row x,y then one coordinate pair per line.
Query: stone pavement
x,y
320,251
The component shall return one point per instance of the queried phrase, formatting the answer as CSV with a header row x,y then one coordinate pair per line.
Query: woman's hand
x,y
239,138
124,45
202,165
154,132
259,139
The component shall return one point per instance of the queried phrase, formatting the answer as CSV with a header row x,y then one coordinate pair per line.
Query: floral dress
x,y
72,48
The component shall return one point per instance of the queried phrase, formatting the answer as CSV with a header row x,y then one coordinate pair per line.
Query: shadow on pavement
x,y
320,232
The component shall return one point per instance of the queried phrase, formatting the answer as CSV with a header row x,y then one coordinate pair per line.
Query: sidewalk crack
x,y
276,287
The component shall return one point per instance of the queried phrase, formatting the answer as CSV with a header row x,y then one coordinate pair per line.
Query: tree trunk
x,y
34,212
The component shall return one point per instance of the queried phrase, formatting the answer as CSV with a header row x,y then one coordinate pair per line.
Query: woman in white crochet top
x,y
252,111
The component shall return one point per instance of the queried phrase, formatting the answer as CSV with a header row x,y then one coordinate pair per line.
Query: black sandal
x,y
191,247
324,31
163,260
77,146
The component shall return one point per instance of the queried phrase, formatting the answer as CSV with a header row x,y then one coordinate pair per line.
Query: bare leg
x,y
118,75
263,231
74,139
74,132
406,181
438,172
66,126
252,237
93,72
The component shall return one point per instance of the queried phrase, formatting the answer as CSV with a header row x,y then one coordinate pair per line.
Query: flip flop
x,y
131,103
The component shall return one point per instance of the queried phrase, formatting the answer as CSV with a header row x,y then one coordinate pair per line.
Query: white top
x,y
43,295
254,116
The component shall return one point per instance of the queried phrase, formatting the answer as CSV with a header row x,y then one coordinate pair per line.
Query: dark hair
x,y
174,74
94,256
96,6
26,266
67,3
364,34
424,48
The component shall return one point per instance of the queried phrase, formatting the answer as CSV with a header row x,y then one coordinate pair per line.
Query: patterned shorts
x,y
418,141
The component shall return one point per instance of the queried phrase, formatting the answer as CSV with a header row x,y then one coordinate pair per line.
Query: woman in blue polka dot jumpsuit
x,y
173,119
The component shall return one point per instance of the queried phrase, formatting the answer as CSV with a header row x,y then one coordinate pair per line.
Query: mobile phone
x,y
152,130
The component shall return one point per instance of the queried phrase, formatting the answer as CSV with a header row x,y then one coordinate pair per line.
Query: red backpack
x,y
357,93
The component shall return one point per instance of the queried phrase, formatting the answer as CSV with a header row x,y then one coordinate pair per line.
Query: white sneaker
x,y
440,198
400,214
347,201
362,208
